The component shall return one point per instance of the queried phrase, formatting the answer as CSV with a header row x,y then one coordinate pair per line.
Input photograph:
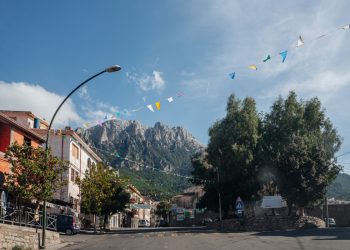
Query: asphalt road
x,y
320,239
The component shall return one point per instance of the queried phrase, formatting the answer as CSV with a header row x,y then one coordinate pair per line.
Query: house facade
x,y
12,131
65,144
68,146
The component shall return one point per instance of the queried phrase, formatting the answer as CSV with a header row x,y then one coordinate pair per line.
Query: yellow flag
x,y
158,105
253,66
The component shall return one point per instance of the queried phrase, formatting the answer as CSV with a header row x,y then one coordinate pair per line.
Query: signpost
x,y
239,207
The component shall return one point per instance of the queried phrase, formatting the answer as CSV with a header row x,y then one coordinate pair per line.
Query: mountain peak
x,y
160,146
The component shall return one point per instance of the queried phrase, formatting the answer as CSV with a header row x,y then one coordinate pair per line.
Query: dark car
x,y
67,224
161,223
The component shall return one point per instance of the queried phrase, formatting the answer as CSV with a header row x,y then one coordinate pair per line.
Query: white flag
x,y
150,107
170,99
300,42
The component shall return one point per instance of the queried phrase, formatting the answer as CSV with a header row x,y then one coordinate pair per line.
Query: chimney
x,y
36,122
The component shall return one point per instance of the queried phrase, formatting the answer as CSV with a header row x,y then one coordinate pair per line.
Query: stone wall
x,y
25,237
267,223
340,213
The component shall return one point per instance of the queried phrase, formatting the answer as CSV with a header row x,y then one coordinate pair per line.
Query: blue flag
x,y
232,75
284,55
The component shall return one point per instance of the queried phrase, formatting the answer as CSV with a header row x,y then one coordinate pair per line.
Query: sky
x,y
166,47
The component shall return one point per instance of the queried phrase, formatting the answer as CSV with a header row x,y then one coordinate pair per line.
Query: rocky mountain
x,y
151,156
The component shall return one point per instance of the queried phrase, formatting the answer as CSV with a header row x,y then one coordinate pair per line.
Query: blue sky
x,y
48,47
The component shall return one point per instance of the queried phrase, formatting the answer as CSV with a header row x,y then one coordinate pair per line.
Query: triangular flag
x,y
267,58
346,27
180,94
284,55
117,114
253,66
232,75
300,42
86,124
158,105
170,99
150,107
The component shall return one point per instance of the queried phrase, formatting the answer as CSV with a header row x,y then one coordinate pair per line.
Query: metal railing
x,y
24,216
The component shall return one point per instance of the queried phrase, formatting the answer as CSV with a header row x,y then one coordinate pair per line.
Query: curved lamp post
x,y
113,68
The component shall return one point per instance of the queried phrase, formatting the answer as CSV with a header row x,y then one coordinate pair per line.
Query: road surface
x,y
320,239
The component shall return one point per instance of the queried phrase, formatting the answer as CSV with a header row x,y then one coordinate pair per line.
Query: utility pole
x,y
327,220
220,216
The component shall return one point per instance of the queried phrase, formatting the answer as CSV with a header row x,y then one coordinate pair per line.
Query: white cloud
x,y
325,85
83,93
27,97
147,82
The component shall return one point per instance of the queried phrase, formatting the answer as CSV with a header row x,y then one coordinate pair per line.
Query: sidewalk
x,y
58,245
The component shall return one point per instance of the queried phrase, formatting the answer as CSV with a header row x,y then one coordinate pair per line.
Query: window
x,y
89,163
76,176
27,141
72,173
75,151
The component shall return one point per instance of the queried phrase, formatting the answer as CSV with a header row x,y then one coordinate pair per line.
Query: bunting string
x,y
118,114
300,42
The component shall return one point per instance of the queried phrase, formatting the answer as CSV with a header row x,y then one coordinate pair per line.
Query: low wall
x,y
11,236
340,213
269,223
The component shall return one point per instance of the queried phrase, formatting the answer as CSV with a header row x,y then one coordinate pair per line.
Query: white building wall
x,y
62,146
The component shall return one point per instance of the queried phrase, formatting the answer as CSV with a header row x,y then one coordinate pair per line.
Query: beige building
x,y
66,145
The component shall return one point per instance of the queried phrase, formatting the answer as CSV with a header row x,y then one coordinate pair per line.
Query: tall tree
x,y
103,192
300,143
230,167
163,208
33,176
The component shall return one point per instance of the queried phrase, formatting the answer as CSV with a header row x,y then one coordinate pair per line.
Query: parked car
x,y
331,222
144,223
161,223
68,224
205,221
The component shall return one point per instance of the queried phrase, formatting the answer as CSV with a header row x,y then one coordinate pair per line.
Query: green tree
x,y
163,208
103,192
32,175
230,154
300,143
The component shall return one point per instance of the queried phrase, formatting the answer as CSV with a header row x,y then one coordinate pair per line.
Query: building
x,y
139,208
26,118
12,130
68,146
189,198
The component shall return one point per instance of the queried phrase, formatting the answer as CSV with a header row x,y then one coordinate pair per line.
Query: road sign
x,y
239,204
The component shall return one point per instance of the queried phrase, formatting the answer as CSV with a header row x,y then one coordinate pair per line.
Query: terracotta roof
x,y
28,131
28,113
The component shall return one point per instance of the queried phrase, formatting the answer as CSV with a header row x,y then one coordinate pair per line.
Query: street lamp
x,y
111,69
